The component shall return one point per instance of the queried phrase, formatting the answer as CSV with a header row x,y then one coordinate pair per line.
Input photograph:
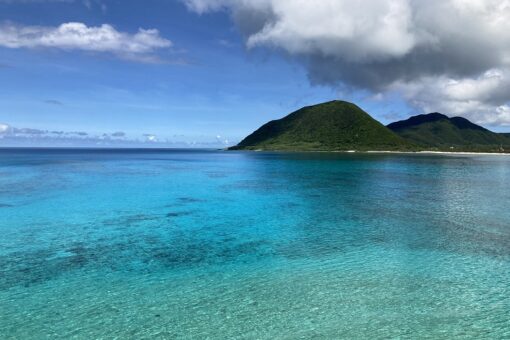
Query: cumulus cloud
x,y
382,45
77,36
482,99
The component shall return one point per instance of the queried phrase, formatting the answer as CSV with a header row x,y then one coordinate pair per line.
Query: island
x,y
343,126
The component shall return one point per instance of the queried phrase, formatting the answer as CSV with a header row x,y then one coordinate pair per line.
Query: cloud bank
x,y
27,137
140,46
439,54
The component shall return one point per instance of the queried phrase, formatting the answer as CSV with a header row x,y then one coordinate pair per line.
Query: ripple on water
x,y
248,245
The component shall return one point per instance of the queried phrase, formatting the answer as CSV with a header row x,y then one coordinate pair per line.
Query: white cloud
x,y
481,99
379,45
14,136
150,138
357,30
336,28
4,128
202,6
78,36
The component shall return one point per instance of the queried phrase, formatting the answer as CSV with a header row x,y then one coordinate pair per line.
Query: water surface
x,y
211,244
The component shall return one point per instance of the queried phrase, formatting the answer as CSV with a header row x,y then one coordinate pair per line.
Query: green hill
x,y
437,131
331,126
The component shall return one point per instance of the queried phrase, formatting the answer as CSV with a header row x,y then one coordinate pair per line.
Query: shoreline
x,y
440,152
425,152
103,149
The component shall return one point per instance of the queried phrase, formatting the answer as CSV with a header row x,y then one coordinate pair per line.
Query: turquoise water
x,y
210,244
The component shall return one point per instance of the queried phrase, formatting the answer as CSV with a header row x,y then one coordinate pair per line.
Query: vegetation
x,y
343,126
436,131
331,126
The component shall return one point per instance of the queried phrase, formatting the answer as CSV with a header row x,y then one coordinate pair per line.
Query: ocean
x,y
204,244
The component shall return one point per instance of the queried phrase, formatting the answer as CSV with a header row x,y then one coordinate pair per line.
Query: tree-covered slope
x,y
437,131
331,126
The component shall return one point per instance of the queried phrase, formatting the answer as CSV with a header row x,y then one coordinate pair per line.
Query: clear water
x,y
210,244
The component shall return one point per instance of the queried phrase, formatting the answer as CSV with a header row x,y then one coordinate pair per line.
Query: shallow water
x,y
211,244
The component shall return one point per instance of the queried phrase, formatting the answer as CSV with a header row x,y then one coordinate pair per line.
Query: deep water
x,y
219,245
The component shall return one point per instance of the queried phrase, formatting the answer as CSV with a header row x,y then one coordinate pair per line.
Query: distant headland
x,y
343,126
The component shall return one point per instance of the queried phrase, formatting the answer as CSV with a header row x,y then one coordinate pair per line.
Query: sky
x,y
205,73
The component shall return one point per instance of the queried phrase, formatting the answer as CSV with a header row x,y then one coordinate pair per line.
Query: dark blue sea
x,y
201,244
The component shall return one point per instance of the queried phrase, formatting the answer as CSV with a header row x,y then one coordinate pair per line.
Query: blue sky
x,y
199,78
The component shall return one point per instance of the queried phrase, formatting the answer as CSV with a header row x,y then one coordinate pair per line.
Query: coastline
x,y
453,153
425,152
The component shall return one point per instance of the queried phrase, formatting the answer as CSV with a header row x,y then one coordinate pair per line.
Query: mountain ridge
x,y
440,132
330,126
343,126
